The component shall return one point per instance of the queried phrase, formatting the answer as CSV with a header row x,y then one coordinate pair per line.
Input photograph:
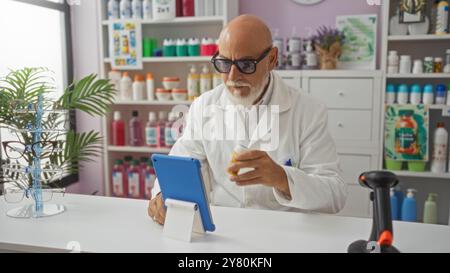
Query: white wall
x,y
85,40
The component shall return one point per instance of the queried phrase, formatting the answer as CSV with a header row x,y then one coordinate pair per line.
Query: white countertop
x,y
102,224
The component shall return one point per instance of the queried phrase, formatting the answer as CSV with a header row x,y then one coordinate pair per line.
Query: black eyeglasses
x,y
245,66
16,149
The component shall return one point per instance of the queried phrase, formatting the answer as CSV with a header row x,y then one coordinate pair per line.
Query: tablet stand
x,y
182,220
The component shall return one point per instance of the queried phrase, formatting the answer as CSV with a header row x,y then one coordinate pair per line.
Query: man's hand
x,y
266,171
156,209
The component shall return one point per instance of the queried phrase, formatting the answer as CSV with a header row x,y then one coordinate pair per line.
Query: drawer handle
x,y
341,94
340,125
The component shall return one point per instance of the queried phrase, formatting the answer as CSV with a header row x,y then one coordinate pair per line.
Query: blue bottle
x,y
400,196
409,207
394,205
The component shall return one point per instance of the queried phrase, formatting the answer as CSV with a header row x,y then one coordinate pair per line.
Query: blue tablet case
x,y
180,178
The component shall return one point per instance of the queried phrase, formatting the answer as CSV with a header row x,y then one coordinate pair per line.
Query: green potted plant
x,y
24,87
328,43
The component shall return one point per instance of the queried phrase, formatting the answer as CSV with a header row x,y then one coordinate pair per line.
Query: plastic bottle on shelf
x,y
448,94
278,42
126,87
113,10
416,94
118,130
209,7
162,119
114,76
440,142
438,65
311,57
136,9
136,132
433,18
418,67
447,61
403,94
405,64
164,9
430,212
170,138
199,7
428,94
394,205
150,87
442,18
139,88
441,93
409,206
428,65
193,84
147,9
205,80
150,178
118,186
125,9
188,8
390,94
393,62
135,186
151,131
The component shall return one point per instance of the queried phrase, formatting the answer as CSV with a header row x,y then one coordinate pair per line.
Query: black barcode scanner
x,y
381,237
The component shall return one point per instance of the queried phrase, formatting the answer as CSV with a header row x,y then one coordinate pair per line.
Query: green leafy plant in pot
x,y
24,87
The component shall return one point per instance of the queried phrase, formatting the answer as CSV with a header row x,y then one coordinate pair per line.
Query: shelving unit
x,y
419,76
423,175
414,45
181,27
427,37
170,59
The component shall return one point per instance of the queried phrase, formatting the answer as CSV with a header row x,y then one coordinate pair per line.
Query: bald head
x,y
246,33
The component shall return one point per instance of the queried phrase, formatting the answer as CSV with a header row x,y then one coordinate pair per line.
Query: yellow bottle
x,y
237,150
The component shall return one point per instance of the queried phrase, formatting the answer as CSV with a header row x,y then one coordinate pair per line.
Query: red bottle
x,y
179,8
118,130
119,182
150,178
188,8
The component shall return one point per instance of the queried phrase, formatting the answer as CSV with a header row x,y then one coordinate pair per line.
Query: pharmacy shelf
x,y
170,59
421,174
429,37
155,103
195,20
419,76
129,149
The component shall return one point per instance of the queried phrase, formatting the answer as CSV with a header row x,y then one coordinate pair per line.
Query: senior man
x,y
299,173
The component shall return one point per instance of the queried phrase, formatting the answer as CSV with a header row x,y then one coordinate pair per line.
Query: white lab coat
x,y
315,179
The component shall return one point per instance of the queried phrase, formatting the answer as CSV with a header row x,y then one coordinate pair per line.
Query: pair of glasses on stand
x,y
17,149
16,195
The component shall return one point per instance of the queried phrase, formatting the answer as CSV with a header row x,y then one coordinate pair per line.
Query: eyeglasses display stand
x,y
39,208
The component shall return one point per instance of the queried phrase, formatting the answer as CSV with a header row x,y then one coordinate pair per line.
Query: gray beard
x,y
255,93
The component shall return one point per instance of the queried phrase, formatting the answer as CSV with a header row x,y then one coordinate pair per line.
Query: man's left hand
x,y
266,171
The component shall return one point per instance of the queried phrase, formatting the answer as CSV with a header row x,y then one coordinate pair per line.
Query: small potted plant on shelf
x,y
328,43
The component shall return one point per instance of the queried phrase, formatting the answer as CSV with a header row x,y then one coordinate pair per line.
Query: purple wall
x,y
285,14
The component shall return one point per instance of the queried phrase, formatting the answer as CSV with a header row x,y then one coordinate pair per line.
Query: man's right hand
x,y
157,210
